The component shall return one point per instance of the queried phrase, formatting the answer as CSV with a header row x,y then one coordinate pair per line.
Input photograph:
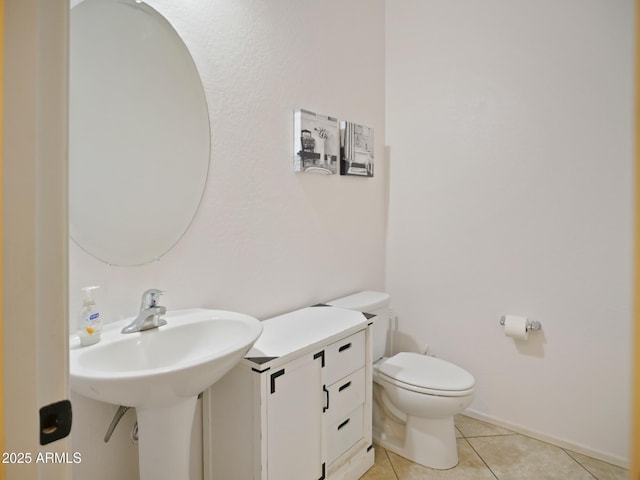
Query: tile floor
x,y
490,452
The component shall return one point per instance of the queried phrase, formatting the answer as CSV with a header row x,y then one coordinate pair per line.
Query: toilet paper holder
x,y
531,324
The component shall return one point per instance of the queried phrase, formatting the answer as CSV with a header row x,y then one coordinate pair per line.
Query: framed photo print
x,y
356,149
316,141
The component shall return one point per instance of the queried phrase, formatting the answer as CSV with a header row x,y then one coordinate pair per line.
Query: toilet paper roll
x,y
516,327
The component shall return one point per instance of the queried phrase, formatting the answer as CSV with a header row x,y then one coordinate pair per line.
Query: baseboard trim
x,y
574,447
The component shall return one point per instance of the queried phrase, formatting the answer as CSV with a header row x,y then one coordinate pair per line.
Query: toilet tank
x,y
377,303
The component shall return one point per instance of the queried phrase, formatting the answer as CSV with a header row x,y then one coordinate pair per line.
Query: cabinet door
x,y
294,421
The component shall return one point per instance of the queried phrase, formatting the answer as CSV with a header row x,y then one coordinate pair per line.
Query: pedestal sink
x,y
160,372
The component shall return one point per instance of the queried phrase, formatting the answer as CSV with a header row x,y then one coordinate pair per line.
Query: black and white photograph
x,y
356,149
316,143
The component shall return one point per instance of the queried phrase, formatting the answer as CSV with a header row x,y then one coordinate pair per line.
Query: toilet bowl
x,y
422,394
415,396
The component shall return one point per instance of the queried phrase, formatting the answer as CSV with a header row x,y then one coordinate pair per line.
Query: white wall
x,y
265,240
510,133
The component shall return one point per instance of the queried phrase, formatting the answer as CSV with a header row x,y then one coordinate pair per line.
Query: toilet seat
x,y
426,375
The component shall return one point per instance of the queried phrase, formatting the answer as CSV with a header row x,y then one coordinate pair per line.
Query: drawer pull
x,y
346,385
344,424
344,347
326,391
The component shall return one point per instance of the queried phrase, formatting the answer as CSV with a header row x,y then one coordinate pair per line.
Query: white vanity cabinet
x,y
298,406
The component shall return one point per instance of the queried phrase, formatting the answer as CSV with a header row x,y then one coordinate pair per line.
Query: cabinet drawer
x,y
344,357
344,434
345,395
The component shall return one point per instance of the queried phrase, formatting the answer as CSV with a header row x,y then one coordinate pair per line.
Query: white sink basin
x,y
163,366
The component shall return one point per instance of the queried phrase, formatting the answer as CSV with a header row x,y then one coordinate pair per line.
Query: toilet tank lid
x,y
366,301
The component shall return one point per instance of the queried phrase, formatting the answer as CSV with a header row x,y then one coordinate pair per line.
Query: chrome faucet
x,y
150,311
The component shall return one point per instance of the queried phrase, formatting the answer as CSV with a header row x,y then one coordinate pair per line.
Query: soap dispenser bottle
x,y
89,321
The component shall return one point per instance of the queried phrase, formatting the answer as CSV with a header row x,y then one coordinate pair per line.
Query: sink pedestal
x,y
164,440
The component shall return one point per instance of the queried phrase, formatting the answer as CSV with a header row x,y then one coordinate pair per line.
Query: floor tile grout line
x,y
567,450
543,441
578,462
480,457
497,435
395,474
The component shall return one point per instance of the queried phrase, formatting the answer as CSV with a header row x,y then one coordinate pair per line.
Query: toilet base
x,y
432,442
427,441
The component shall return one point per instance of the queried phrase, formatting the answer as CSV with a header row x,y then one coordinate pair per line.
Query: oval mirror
x,y
139,135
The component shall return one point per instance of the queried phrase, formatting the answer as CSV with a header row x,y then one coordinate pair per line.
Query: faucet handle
x,y
150,298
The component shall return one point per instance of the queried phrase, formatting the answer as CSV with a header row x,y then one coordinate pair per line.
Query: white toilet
x,y
415,396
